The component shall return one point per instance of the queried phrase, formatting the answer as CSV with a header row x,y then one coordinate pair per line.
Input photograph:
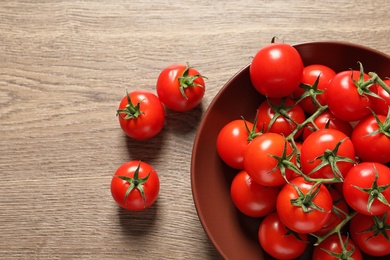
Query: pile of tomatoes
x,y
314,163
135,185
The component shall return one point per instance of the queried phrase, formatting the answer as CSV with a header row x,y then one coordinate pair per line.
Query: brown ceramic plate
x,y
232,234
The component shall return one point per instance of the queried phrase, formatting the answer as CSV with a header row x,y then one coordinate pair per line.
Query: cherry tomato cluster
x,y
135,184
313,165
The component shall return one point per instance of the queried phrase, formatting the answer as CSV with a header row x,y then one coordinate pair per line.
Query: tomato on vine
x,y
371,233
276,70
280,115
278,241
337,247
232,141
366,188
269,159
251,198
180,87
304,207
351,94
371,138
314,83
135,185
141,114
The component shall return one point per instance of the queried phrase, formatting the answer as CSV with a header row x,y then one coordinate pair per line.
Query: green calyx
x,y
383,128
374,192
135,183
311,91
305,201
131,111
252,133
281,110
380,227
186,81
344,254
363,86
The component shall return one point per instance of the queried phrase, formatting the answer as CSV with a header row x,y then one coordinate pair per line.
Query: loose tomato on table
x,y
371,233
304,207
141,114
327,154
276,70
371,139
251,198
366,188
349,95
315,80
267,159
135,185
280,115
232,141
278,241
337,247
180,87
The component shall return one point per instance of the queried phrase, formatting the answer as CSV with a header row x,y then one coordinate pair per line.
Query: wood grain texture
x,y
65,65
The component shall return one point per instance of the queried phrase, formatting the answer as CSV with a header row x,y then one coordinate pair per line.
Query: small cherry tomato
x,y
366,188
135,185
251,198
331,248
278,241
180,87
276,70
280,116
304,207
315,81
141,114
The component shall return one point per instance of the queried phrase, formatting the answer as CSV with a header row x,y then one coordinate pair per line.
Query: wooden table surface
x,y
64,67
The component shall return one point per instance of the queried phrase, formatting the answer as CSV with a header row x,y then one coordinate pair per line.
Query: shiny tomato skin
x,y
151,120
367,241
332,245
276,70
259,163
336,217
251,198
381,106
232,142
363,176
316,144
281,125
310,75
343,98
371,147
294,217
275,239
321,121
134,200
168,88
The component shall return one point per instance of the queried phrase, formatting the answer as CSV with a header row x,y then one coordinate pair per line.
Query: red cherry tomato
x,y
180,87
343,98
278,241
304,218
232,141
331,249
366,190
371,233
135,185
141,115
310,76
324,146
276,70
252,199
260,161
372,145
327,120
280,116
